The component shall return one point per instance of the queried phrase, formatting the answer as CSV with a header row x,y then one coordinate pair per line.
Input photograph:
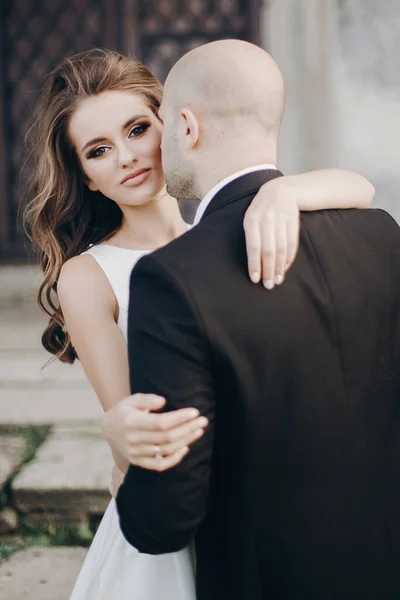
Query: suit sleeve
x,y
168,355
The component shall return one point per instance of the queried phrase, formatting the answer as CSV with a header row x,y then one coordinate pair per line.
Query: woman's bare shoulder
x,y
81,278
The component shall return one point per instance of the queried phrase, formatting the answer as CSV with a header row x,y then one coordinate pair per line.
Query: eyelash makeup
x,y
139,129
136,131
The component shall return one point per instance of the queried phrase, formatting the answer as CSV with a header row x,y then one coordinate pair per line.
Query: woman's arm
x,y
272,221
330,188
90,310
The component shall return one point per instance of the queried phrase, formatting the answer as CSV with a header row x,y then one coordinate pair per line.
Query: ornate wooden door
x,y
36,35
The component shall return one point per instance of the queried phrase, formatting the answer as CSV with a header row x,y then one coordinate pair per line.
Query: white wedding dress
x,y
113,569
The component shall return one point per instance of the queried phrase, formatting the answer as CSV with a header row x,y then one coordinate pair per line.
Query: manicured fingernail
x,y
279,279
192,413
203,422
269,284
255,277
157,400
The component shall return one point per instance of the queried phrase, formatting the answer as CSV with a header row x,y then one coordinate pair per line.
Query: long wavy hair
x,y
63,217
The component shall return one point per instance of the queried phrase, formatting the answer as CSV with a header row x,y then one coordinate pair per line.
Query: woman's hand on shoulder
x,y
272,226
149,440
272,223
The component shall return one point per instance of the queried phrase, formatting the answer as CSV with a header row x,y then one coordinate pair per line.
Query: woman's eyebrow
x,y
124,126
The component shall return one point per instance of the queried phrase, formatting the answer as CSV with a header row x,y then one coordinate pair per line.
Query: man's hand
x,y
152,441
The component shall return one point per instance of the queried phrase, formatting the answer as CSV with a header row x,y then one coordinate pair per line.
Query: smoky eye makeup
x,y
96,152
139,129
135,131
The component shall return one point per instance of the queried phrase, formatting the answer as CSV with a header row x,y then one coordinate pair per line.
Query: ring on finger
x,y
157,453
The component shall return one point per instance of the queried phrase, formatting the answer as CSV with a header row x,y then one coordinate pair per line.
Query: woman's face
x,y
117,140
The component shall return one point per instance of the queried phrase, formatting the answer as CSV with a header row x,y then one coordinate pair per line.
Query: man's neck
x,y
229,159
221,184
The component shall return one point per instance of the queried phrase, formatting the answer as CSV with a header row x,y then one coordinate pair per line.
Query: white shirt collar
x,y
218,187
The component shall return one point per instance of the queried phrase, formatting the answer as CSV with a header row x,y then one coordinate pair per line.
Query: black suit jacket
x,y
294,490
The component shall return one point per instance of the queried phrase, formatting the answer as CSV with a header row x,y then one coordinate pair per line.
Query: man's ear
x,y
192,128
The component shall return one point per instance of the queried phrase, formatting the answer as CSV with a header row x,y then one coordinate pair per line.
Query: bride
x,y
99,203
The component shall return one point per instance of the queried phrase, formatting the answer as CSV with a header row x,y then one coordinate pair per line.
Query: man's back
x,y
294,491
305,489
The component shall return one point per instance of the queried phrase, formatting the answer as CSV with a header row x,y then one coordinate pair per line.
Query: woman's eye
x,y
138,130
97,152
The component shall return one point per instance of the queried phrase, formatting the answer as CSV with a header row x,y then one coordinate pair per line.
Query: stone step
x,y
20,330
30,406
41,574
69,476
30,394
17,445
18,284
19,366
21,321
21,326
12,454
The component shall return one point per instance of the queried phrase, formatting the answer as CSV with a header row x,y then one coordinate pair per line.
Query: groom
x,y
293,492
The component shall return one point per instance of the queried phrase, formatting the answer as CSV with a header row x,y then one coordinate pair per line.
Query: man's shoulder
x,y
179,256
355,232
369,215
372,219
189,247
381,216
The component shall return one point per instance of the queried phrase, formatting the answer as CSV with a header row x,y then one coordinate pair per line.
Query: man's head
x,y
222,109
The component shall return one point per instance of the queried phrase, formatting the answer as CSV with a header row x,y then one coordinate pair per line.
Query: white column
x,y
300,35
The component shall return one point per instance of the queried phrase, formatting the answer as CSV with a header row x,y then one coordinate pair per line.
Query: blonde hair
x,y
63,218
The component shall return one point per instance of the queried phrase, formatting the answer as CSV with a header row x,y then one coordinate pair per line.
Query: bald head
x,y
229,79
222,109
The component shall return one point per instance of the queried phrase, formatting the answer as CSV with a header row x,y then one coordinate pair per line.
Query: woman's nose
x,y
126,155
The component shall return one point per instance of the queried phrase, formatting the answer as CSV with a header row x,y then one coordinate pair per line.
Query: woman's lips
x,y
136,177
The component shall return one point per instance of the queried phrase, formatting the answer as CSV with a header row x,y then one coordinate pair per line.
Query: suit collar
x,y
221,184
238,187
